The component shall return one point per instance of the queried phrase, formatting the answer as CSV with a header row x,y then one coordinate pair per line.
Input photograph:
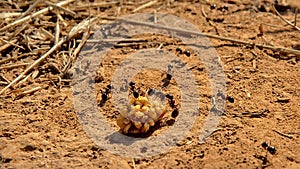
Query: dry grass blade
x,y
57,32
13,66
20,21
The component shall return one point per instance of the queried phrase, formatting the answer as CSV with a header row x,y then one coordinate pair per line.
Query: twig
x,y
30,91
273,48
61,8
148,4
113,40
20,21
85,37
284,135
74,31
286,21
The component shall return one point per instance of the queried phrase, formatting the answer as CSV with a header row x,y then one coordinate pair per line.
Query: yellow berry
x,y
139,114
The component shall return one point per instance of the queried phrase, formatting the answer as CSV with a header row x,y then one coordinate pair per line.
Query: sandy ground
x,y
41,130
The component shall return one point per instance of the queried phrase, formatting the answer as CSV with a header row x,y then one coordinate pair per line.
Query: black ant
x,y
132,86
133,90
105,94
171,100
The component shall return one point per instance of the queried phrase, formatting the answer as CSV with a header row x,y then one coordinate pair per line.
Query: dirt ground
x,y
41,129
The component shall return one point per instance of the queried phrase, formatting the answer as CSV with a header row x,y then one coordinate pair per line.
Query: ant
x,y
133,90
171,100
104,95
